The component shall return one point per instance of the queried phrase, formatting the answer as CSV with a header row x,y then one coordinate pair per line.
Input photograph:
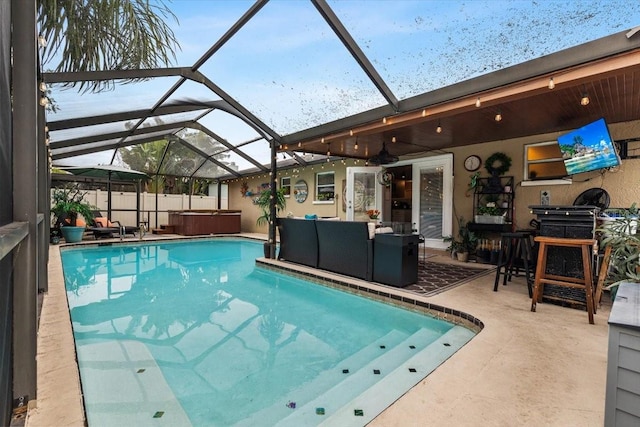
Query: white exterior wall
x,y
166,202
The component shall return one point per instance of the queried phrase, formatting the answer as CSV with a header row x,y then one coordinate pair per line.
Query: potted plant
x,y
54,237
373,214
464,244
263,201
67,203
620,232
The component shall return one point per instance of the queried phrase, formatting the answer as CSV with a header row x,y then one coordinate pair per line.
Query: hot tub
x,y
204,222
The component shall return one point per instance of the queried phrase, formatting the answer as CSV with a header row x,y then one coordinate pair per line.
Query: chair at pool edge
x,y
515,248
104,227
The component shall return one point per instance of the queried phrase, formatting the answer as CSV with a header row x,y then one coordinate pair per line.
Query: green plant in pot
x,y
489,210
263,201
464,244
621,233
67,204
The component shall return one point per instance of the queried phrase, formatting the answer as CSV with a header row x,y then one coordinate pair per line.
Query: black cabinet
x,y
395,259
493,204
573,222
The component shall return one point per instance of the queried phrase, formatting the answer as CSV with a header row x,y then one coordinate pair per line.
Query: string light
x,y
44,101
42,87
498,116
439,128
551,83
478,103
355,147
393,140
585,99
42,41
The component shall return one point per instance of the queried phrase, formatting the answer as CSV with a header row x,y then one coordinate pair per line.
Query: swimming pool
x,y
193,333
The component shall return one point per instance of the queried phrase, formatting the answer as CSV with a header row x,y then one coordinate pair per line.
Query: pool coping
x,y
55,334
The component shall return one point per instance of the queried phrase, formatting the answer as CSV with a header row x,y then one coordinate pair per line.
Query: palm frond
x,y
92,35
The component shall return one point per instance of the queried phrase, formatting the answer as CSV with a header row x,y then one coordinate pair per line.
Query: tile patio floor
x,y
523,369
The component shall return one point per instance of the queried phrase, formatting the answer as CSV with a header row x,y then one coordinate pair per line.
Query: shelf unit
x,y
494,189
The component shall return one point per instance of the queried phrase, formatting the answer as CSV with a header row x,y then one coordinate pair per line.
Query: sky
x,y
291,71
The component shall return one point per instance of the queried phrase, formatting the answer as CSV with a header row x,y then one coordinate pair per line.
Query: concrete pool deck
x,y
545,368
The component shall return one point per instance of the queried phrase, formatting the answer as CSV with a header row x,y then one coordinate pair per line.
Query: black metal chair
x,y
515,254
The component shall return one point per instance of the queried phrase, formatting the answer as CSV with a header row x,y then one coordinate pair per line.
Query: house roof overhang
x,y
607,70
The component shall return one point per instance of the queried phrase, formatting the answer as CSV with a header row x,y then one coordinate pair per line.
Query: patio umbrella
x,y
110,172
116,173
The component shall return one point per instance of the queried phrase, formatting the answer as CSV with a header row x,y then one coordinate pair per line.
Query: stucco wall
x,y
623,184
251,212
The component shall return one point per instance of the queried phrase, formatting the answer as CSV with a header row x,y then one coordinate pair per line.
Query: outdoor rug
x,y
435,277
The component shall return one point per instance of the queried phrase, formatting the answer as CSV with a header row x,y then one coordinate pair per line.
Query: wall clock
x,y
472,163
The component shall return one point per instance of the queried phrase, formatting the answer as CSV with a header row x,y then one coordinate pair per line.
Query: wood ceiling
x,y
527,107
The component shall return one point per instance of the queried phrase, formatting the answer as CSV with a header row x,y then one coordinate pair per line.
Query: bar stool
x,y
514,247
542,277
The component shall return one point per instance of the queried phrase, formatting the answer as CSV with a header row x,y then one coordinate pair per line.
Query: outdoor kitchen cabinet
x,y
622,400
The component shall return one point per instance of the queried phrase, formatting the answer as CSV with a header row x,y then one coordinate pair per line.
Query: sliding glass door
x,y
433,199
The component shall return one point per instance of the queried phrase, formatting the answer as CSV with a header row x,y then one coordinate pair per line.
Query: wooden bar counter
x,y
203,222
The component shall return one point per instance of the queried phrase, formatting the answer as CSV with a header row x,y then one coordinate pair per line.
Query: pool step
x,y
334,399
325,381
381,395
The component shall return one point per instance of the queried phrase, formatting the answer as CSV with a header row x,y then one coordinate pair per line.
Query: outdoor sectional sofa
x,y
339,246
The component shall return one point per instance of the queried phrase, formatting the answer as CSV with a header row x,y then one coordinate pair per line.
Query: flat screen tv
x,y
588,148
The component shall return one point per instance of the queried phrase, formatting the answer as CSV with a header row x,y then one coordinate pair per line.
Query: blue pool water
x,y
193,333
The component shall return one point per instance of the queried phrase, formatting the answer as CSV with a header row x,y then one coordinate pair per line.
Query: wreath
x,y
384,178
504,163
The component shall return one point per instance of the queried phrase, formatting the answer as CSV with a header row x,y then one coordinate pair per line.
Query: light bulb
x,y
551,83
42,41
393,140
355,147
43,87
478,103
44,101
585,99
439,128
498,117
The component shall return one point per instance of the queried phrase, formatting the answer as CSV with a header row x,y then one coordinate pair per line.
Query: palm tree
x,y
92,35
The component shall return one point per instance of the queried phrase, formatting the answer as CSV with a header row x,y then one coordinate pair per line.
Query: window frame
x,y
283,185
318,186
526,179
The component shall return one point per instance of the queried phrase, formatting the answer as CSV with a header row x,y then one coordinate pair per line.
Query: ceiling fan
x,y
383,157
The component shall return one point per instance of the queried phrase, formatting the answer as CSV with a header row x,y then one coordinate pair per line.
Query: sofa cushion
x,y
298,241
344,247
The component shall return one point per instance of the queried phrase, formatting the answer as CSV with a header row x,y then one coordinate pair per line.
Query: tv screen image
x,y
588,148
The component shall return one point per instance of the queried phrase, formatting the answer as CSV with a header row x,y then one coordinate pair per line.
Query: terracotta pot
x,y
462,256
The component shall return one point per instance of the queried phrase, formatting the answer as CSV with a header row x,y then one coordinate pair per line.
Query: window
x,y
543,162
285,184
325,187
